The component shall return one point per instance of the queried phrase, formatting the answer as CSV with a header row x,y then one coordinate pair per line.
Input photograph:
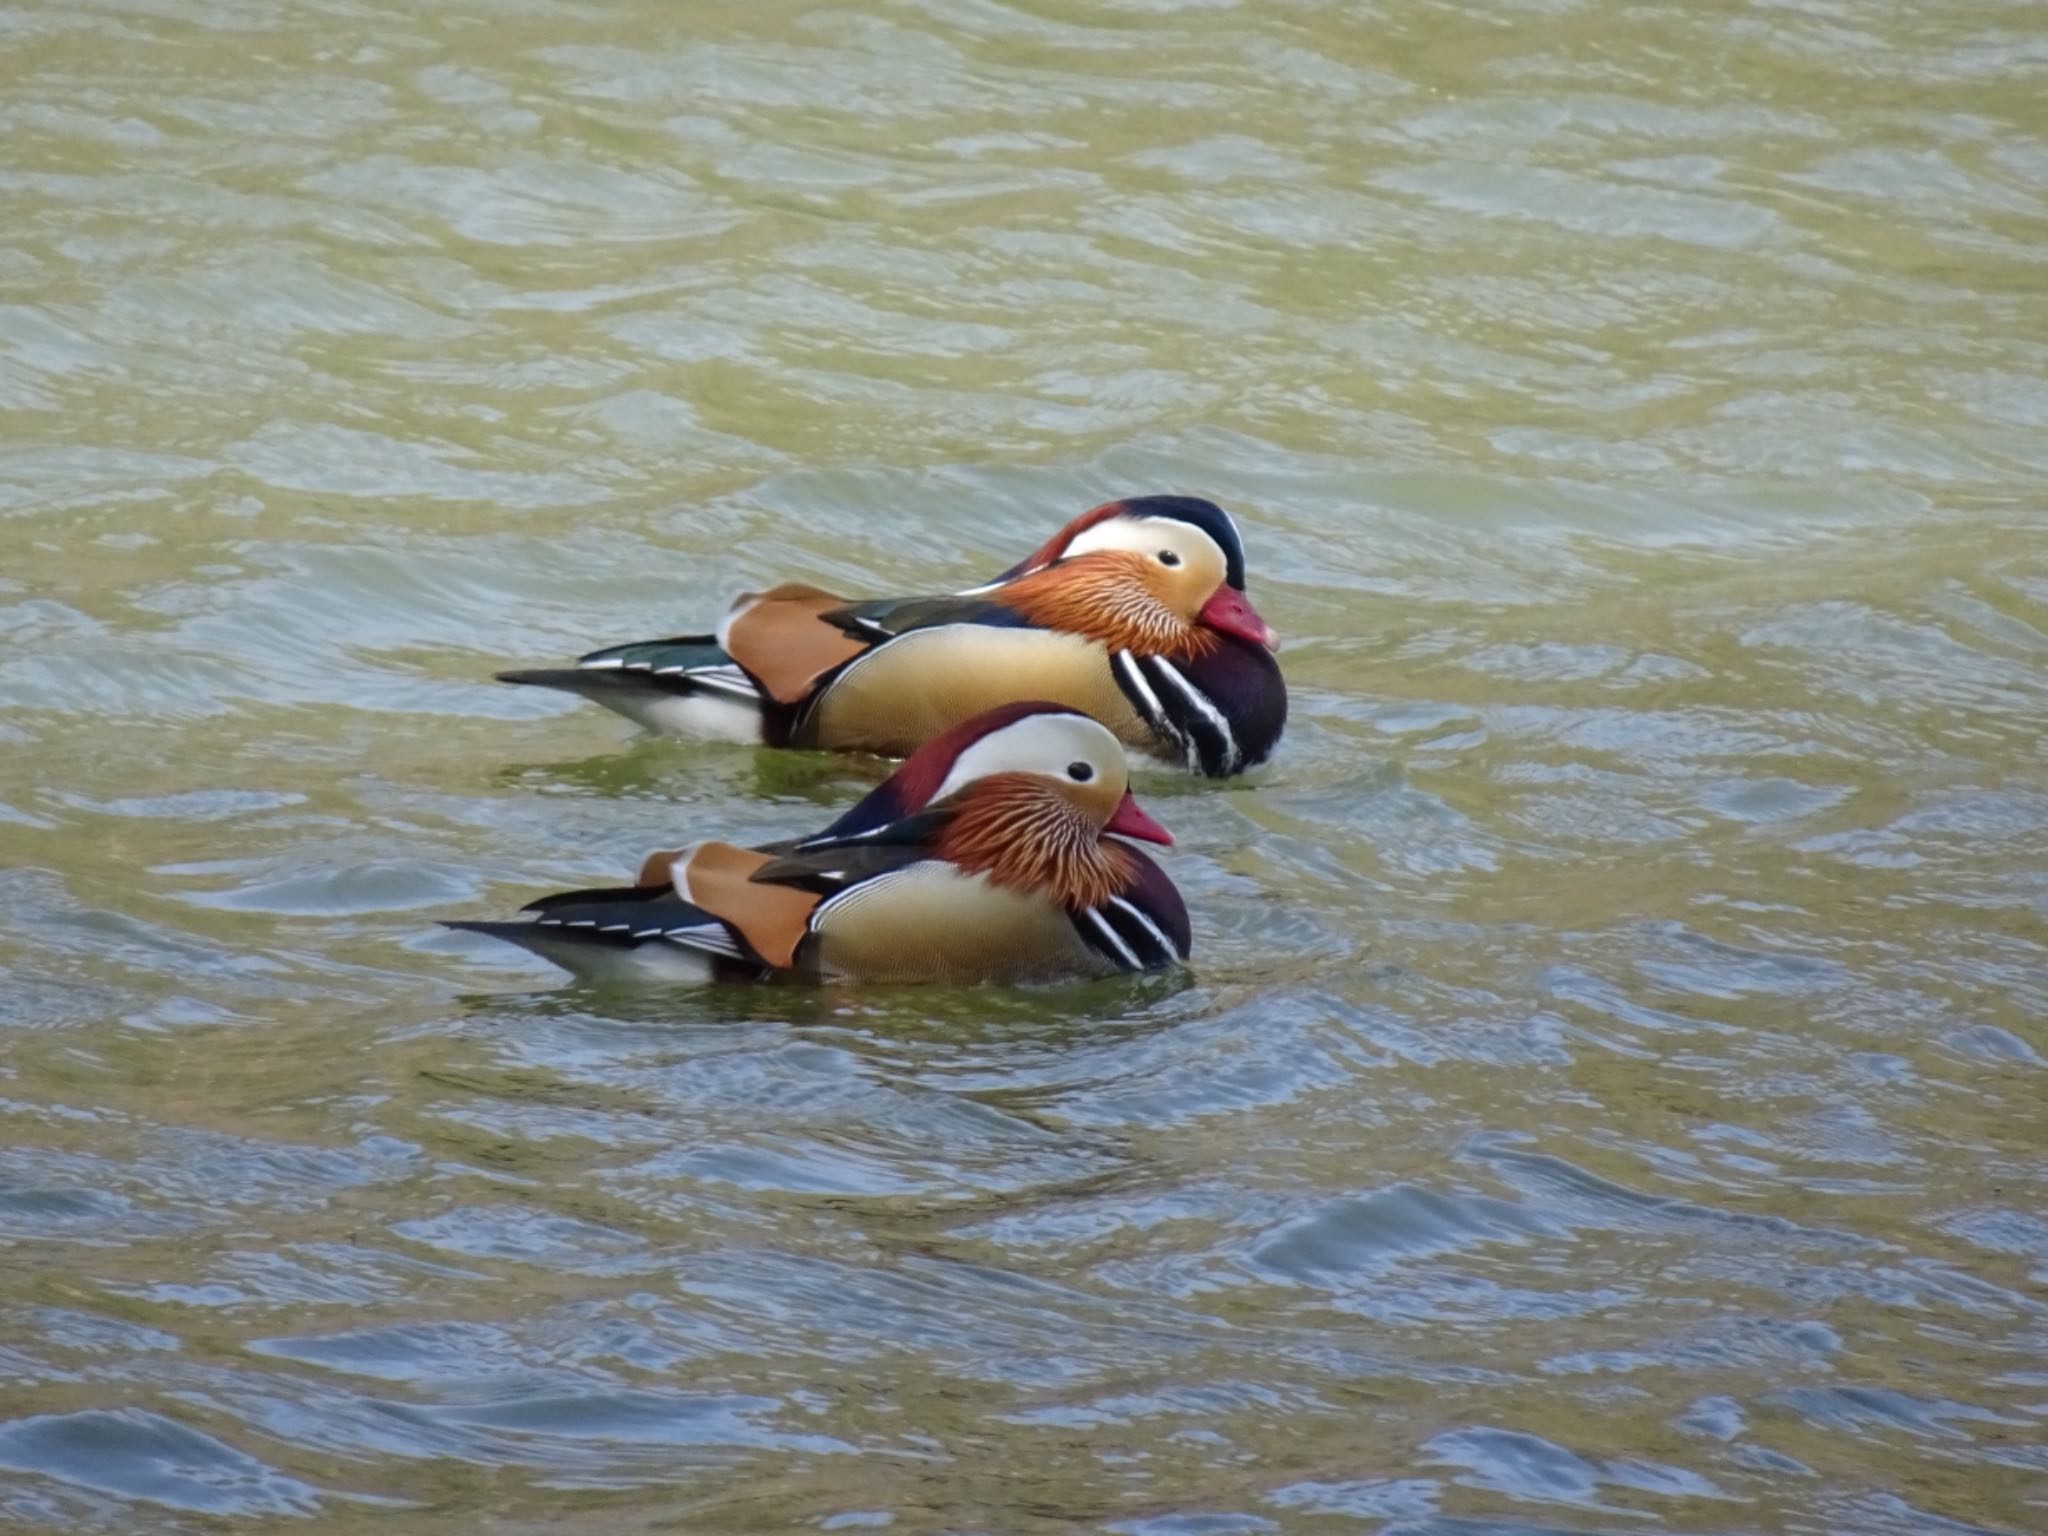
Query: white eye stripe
x,y
1149,536
1043,744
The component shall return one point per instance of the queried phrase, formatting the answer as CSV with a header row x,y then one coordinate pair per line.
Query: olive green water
x,y
1610,1093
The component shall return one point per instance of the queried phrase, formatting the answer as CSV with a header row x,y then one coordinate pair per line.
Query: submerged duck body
x,y
1134,613
983,858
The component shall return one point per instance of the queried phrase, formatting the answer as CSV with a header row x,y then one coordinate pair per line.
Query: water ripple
x,y
1607,1095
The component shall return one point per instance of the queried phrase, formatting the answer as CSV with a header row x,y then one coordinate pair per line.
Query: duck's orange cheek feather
x,y
1111,597
1025,836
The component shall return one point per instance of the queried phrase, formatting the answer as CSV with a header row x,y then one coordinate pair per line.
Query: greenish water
x,y
1610,1093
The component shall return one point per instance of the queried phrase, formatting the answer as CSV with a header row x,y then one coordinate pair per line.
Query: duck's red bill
x,y
1129,821
1231,611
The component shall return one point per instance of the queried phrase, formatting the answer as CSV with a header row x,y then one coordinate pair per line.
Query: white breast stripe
x,y
1127,664
1167,949
1102,925
1155,716
1209,711
1158,718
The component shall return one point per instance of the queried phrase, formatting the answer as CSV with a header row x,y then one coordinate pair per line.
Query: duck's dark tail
x,y
628,950
682,686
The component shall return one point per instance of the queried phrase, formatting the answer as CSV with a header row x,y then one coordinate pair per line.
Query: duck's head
x,y
1041,750
1028,802
1143,573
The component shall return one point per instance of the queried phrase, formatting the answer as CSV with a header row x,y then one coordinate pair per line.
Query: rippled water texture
x,y
1610,1094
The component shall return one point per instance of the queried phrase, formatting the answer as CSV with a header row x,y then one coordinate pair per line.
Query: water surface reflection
x,y
1609,1093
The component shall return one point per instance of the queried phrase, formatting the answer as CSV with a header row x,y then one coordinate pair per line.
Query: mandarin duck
x,y
1134,613
982,858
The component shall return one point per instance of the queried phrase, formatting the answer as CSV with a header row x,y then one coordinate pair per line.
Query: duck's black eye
x,y
1080,773
1168,558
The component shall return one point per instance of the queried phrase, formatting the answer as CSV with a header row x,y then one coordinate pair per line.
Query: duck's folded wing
x,y
770,919
886,618
834,868
770,899
783,641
